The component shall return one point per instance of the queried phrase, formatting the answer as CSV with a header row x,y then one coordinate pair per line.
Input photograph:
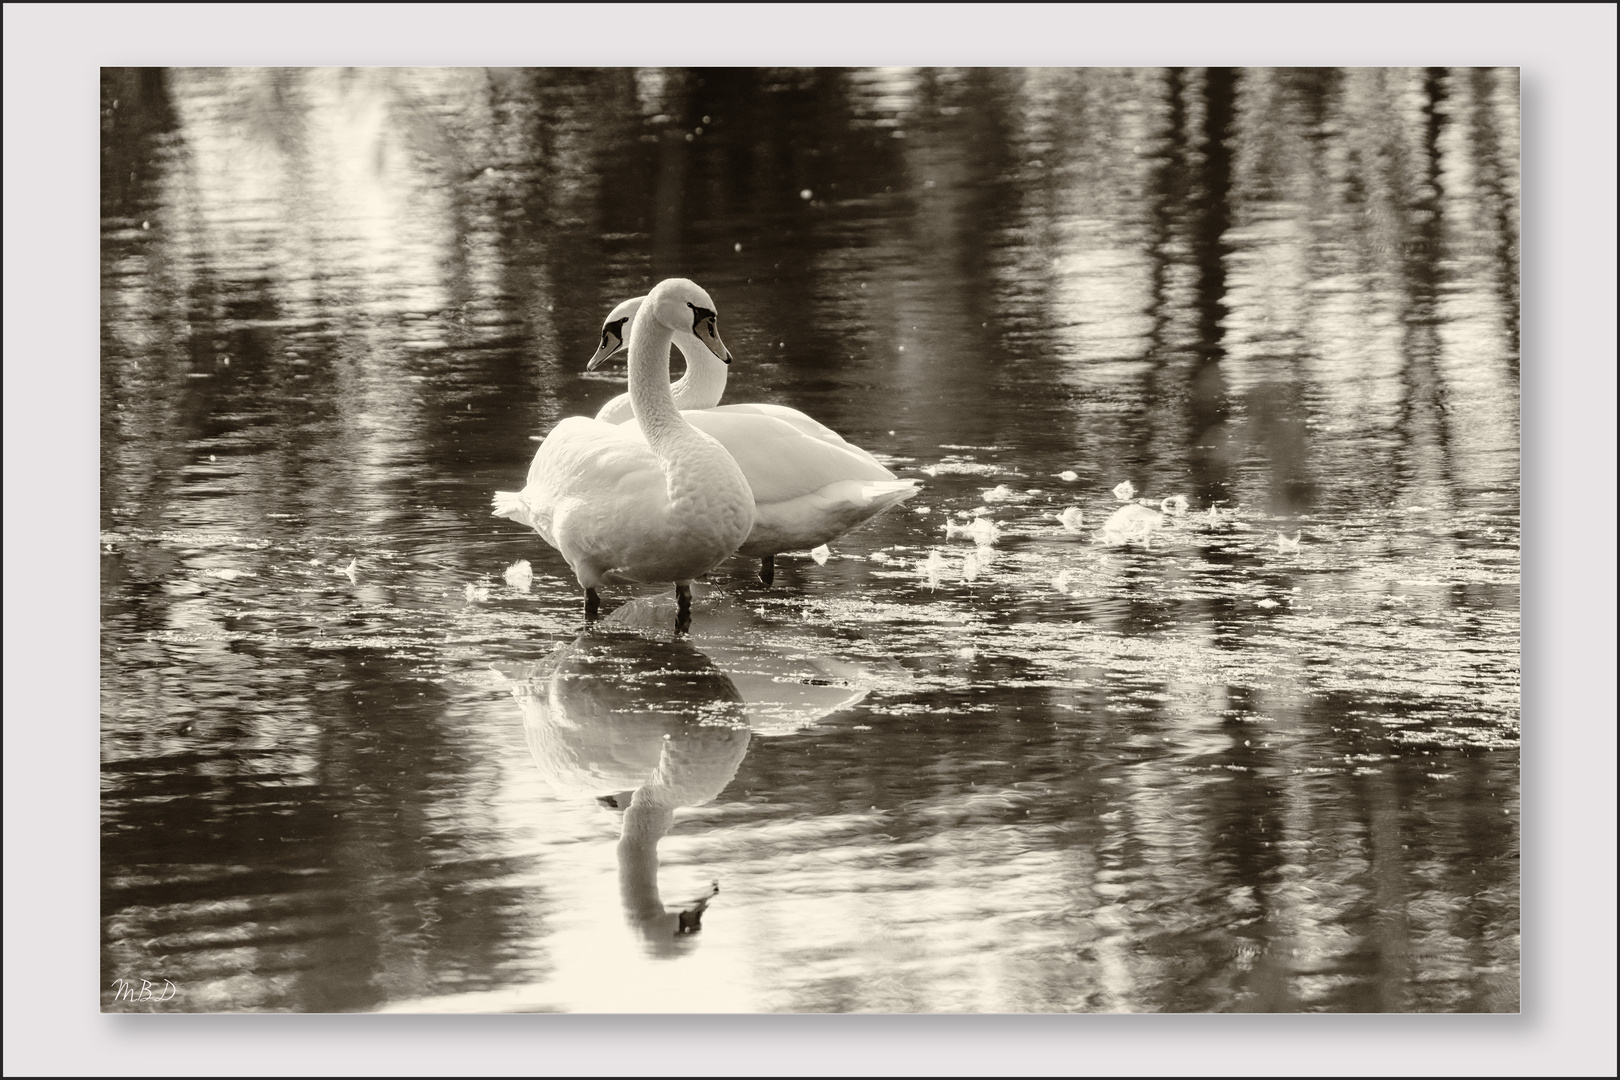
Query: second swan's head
x,y
615,331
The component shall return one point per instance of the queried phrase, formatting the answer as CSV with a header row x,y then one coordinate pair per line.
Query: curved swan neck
x,y
650,396
704,383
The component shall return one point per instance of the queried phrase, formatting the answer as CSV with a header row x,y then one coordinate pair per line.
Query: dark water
x,y
347,765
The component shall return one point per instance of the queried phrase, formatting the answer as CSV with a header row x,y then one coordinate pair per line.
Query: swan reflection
x,y
646,726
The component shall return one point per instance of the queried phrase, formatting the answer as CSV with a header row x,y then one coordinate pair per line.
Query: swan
x,y
653,501
810,485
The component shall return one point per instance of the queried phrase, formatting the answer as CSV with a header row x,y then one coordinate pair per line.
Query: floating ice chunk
x,y
226,574
1285,544
1001,493
520,575
967,652
878,557
933,568
1125,491
980,530
477,592
1214,516
1174,505
1268,602
970,566
350,571
920,510
1061,582
1071,519
1068,474
820,554
1130,522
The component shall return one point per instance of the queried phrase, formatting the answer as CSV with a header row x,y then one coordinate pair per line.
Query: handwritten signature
x,y
128,990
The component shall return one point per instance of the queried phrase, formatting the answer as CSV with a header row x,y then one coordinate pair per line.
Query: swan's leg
x,y
593,604
767,568
683,608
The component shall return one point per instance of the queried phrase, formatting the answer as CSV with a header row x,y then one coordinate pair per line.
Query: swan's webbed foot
x,y
767,568
683,609
593,604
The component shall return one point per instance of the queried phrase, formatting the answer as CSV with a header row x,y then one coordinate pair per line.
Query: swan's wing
x,y
592,484
780,461
807,424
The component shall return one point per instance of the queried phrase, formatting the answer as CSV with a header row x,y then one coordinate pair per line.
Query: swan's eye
x,y
698,315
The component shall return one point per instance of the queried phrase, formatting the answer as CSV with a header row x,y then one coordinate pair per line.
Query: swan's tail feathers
x,y
885,493
510,504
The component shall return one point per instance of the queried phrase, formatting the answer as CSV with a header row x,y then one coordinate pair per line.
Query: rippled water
x,y
993,754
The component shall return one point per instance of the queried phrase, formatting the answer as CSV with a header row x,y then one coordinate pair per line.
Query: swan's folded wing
x,y
780,461
807,424
617,411
580,451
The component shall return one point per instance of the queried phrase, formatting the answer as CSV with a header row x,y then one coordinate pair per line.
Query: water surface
x,y
1263,758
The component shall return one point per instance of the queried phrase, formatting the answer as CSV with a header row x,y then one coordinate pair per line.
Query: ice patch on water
x,y
963,468
1071,519
1002,493
1068,474
520,575
1286,544
477,592
820,554
980,530
1125,491
1133,522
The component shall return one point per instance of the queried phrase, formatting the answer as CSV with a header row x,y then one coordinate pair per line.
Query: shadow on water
x,y
983,755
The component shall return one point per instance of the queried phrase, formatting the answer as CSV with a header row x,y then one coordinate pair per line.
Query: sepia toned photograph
x,y
810,540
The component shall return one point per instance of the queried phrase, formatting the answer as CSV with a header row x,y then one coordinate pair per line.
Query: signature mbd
x,y
143,990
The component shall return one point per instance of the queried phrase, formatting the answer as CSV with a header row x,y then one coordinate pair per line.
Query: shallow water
x,y
1261,757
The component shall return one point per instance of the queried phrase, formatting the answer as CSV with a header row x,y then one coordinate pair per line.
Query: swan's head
x,y
615,331
680,306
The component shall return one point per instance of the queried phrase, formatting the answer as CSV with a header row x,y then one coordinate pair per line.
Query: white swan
x,y
653,501
809,485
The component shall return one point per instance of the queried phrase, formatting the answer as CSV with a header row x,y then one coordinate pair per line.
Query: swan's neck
x,y
704,383
650,396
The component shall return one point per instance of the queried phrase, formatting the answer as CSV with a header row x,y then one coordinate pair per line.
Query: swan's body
x,y
809,485
653,501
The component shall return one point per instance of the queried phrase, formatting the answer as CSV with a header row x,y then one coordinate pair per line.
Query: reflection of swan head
x,y
645,726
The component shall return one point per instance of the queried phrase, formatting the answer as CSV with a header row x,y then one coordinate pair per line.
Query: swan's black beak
x,y
608,347
612,342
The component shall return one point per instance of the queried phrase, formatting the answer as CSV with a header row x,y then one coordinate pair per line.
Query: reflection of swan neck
x,y
704,383
644,825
